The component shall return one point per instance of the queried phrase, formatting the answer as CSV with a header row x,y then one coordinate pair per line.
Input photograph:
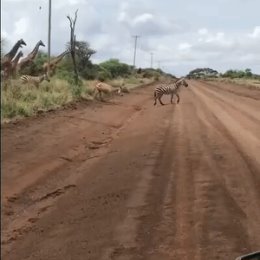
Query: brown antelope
x,y
104,88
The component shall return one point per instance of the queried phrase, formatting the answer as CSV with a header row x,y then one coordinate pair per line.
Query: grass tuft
x,y
21,100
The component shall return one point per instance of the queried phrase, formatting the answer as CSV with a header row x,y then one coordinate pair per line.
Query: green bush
x,y
116,68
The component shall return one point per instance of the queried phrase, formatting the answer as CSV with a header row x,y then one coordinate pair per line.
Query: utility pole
x,y
49,37
135,36
151,60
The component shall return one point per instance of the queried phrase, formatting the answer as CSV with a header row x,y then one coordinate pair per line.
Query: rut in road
x,y
176,182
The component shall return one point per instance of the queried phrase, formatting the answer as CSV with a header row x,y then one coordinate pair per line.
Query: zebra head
x,y
182,82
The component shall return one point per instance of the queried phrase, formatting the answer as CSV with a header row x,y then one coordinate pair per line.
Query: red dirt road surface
x,y
127,180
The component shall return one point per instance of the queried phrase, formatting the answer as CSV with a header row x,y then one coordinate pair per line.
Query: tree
x,y
238,74
248,73
72,45
202,73
116,68
83,53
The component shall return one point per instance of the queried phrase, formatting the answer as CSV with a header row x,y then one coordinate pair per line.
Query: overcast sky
x,y
182,34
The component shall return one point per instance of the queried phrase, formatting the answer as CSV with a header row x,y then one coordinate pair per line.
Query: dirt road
x,y
127,180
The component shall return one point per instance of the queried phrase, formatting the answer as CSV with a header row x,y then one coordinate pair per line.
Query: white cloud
x,y
21,26
256,32
203,31
179,37
184,46
143,18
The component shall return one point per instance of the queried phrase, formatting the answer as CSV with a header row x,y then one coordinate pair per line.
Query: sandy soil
x,y
126,180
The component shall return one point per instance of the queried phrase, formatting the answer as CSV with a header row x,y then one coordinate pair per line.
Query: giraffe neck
x,y
17,57
34,51
59,58
13,51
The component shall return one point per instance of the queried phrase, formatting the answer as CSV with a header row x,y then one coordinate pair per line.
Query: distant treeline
x,y
211,73
106,70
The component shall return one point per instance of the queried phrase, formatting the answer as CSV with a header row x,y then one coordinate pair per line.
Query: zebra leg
x,y
161,101
171,97
178,98
155,98
155,101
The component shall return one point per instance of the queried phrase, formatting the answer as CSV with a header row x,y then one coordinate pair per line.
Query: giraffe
x,y
6,61
30,57
54,62
10,55
14,63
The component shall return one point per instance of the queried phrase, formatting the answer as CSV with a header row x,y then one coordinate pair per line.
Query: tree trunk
x,y
72,46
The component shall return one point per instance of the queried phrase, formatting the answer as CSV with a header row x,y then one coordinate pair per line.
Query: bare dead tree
x,y
72,45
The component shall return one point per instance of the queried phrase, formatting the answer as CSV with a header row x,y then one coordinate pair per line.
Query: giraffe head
x,y
21,43
41,43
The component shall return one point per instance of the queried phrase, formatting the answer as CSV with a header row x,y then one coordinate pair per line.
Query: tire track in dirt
x,y
204,215
38,197
242,179
237,196
244,92
125,239
242,130
248,109
171,182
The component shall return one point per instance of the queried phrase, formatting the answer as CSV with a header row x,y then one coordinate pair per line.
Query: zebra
x,y
170,89
35,80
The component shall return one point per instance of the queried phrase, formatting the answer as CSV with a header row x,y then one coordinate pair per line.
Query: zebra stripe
x,y
35,80
170,89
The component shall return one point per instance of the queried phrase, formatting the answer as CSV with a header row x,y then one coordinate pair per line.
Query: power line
x,y
135,36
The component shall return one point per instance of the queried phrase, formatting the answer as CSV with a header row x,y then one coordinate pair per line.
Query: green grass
x,y
255,83
24,100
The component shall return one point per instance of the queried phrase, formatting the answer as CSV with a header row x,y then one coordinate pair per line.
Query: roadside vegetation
x,y
23,100
240,77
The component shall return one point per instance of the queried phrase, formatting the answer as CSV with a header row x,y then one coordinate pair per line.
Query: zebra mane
x,y
180,80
